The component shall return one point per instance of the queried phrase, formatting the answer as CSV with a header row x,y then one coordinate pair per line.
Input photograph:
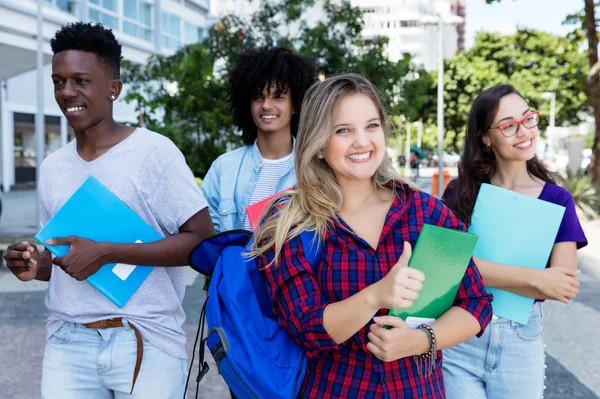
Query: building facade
x,y
400,21
143,27
459,7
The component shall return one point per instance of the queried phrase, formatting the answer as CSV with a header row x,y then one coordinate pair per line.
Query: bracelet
x,y
428,358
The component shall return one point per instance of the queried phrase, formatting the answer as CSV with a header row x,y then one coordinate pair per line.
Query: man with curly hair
x,y
266,89
95,349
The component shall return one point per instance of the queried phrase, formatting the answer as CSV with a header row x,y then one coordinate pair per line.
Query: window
x,y
192,33
132,17
171,31
70,6
192,5
105,12
137,19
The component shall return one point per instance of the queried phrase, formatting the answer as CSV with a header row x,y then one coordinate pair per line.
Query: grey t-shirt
x,y
149,173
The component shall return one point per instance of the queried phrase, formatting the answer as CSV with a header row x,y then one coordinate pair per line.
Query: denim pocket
x,y
532,330
60,336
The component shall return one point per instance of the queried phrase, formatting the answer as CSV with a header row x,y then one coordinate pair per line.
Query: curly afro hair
x,y
94,39
254,70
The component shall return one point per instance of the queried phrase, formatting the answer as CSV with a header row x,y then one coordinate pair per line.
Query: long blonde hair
x,y
317,197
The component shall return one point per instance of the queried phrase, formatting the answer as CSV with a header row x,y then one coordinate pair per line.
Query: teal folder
x,y
443,255
95,213
514,229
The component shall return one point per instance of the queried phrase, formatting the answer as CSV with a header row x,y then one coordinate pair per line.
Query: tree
x,y
585,21
196,114
532,61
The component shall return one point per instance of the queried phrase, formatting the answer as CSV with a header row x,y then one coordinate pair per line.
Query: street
x,y
570,331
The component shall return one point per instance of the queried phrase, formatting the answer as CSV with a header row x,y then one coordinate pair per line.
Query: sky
x,y
545,15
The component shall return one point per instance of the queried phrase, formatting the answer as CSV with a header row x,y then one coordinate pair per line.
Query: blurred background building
x,y
143,27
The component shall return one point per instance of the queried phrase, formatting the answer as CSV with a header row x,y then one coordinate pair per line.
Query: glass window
x,y
171,31
192,34
69,6
105,12
137,19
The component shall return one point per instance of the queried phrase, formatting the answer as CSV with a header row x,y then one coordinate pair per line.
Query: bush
x,y
584,191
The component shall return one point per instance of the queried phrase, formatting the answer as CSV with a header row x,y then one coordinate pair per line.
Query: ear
x,y
116,86
486,140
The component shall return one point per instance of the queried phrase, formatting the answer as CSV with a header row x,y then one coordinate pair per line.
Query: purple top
x,y
570,228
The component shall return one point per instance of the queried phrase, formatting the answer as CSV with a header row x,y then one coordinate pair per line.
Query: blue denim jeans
x,y
89,363
506,362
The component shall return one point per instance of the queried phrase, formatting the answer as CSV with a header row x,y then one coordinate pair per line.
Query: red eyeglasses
x,y
510,128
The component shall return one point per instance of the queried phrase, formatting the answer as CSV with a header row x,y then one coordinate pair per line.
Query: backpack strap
x,y
310,244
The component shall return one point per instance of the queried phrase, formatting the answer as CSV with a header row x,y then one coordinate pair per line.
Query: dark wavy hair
x,y
92,38
478,164
254,70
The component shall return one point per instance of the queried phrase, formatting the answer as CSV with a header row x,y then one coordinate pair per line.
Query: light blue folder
x,y
514,229
95,213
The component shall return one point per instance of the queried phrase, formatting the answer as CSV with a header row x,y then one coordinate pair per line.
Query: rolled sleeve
x,y
473,297
297,299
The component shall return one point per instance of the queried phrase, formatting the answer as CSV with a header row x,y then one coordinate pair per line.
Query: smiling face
x,y
82,88
357,145
520,146
272,111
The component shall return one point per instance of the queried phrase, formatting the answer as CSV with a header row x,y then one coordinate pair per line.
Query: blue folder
x,y
95,213
514,229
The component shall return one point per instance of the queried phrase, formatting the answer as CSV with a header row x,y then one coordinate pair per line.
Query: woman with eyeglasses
x,y
507,361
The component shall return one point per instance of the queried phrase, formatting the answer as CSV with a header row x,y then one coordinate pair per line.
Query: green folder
x,y
443,255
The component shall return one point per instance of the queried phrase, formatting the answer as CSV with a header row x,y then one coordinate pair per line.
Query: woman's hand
x,y
400,287
558,283
398,342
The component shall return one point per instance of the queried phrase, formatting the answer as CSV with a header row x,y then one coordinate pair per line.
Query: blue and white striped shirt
x,y
266,182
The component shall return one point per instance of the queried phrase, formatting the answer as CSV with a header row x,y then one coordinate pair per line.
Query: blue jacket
x,y
229,183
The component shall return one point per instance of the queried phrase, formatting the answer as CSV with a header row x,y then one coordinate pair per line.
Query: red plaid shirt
x,y
348,265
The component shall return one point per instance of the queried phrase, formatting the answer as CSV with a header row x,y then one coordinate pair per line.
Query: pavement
x,y
572,359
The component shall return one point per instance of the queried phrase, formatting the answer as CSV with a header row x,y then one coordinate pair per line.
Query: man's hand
x,y
22,260
84,258
395,343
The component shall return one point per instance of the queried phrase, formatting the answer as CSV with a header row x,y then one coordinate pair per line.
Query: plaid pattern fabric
x,y
349,265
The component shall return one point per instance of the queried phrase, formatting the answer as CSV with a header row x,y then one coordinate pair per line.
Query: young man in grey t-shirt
x,y
96,349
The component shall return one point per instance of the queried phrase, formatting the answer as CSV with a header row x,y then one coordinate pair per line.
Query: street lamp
x,y
550,95
419,126
440,21
407,152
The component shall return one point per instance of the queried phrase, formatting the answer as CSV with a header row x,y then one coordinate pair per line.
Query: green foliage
x,y
533,61
584,191
197,116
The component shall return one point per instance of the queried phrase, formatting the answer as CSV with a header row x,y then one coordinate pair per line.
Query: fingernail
x,y
32,261
49,241
376,319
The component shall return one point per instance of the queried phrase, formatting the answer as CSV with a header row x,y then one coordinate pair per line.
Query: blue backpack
x,y
255,355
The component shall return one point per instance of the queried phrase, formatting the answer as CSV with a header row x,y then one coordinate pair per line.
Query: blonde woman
x,y
366,219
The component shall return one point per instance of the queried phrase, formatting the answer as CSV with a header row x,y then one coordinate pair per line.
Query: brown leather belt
x,y
118,322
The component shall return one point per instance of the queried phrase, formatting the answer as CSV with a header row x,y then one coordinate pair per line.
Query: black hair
x,y
255,70
94,39
478,163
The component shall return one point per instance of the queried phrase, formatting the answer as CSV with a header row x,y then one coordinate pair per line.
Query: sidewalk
x,y
589,257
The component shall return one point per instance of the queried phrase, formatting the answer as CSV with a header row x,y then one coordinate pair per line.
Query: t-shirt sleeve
x,y
43,195
177,196
570,229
